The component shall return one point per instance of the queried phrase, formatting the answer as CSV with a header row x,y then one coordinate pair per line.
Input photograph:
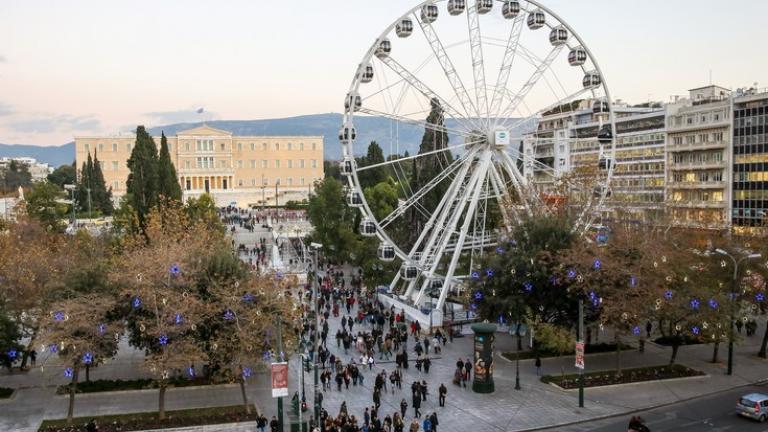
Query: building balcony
x,y
697,185
206,171
696,165
697,146
697,204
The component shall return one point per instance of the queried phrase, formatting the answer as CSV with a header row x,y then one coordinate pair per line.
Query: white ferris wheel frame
x,y
427,265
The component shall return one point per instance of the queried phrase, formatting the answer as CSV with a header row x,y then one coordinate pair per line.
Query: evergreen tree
x,y
428,167
142,184
83,184
167,181
371,177
101,196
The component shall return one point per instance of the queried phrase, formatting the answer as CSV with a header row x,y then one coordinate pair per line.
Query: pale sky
x,y
92,67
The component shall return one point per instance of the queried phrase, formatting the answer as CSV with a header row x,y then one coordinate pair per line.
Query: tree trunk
x,y
87,373
161,400
716,351
519,342
618,353
763,346
25,354
589,335
72,392
675,348
242,391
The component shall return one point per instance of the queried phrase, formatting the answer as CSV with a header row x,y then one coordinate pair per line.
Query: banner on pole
x,y
580,355
279,380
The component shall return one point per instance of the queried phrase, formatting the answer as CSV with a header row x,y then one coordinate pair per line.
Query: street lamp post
x,y
316,249
736,264
520,331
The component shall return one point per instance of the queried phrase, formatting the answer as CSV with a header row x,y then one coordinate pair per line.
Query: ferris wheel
x,y
521,124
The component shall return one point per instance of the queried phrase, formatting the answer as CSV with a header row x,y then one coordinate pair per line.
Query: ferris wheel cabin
x,y
404,28
368,228
456,7
384,49
429,13
353,100
511,9
484,6
386,252
409,272
347,134
592,80
354,199
536,19
577,56
558,36
346,167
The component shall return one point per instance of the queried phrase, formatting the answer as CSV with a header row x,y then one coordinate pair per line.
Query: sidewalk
x,y
537,405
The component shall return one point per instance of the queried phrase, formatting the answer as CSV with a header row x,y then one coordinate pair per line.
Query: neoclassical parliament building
x,y
241,170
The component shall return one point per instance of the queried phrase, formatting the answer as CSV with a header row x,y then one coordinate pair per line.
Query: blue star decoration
x,y
632,281
248,297
229,315
175,269
136,302
528,286
489,272
695,330
178,319
478,295
571,274
53,348
12,353
266,355
475,275
191,371
668,295
500,250
760,297
597,264
636,330
279,275
102,329
695,303
247,372
713,303
473,306
163,339
88,358
59,316
68,372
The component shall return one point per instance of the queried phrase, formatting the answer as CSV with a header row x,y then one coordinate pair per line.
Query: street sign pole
x,y
581,345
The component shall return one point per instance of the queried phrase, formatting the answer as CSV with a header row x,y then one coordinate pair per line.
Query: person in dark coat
x,y
433,420
416,403
442,391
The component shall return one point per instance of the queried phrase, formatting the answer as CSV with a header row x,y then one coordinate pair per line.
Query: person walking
x,y
414,426
416,403
397,423
433,420
468,370
427,425
274,425
442,391
538,365
403,407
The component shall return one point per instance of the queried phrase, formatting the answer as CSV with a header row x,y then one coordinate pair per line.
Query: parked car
x,y
754,406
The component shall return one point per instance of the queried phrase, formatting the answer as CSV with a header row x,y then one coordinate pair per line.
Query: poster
x,y
279,380
483,357
580,355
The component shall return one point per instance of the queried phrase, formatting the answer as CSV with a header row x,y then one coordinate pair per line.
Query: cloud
x,y
53,123
189,115
5,110
3,59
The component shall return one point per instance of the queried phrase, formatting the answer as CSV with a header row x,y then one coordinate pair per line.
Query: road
x,y
714,413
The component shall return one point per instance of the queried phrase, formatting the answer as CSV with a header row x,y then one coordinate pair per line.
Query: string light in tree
x,y
695,303
636,330
191,371
136,302
229,315
248,297
571,273
528,286
247,372
713,303
102,329
53,348
760,297
500,250
632,281
88,358
175,269
696,330
597,264
668,295
59,316
478,296
489,272
12,353
178,319
68,372
163,340
475,275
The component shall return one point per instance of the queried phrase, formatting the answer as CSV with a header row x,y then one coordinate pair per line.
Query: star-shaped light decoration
x,y
636,330
59,316
279,275
248,297
229,315
597,264
136,302
68,372
247,372
528,286
478,295
163,339
713,303
191,372
175,269
88,358
102,329
489,272
760,297
473,306
695,303
53,348
500,250
12,353
632,281
475,275
695,330
571,273
668,295
178,319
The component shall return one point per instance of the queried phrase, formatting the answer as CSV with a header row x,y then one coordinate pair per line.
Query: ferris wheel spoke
x,y
515,179
416,156
422,123
422,88
525,188
448,68
414,199
534,116
506,63
504,200
478,63
528,86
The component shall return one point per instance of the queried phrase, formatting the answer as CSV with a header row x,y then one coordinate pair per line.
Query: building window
x,y
290,181
186,146
253,163
253,182
690,139
189,184
114,147
301,146
101,147
222,146
290,163
240,182
186,164
115,184
314,163
302,181
290,146
264,146
240,146
718,136
253,146
87,147
301,163
314,146
263,164
277,163
240,164
277,146
128,147
114,166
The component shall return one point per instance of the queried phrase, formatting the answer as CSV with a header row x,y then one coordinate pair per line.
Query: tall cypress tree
x,y
142,184
84,183
101,196
168,182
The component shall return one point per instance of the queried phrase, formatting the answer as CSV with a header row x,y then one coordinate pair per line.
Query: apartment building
x,y
749,211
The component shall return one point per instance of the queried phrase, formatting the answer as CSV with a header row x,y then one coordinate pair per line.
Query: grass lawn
x,y
5,393
149,420
96,386
589,349
603,378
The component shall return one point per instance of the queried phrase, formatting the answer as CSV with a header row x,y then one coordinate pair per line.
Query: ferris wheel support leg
x,y
476,190
500,190
518,180
442,234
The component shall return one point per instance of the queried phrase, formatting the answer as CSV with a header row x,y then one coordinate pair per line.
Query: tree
x,y
14,176
167,180
80,332
373,176
382,198
203,210
142,183
83,192
159,271
125,220
10,341
554,338
64,175
332,219
428,167
100,195
44,204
